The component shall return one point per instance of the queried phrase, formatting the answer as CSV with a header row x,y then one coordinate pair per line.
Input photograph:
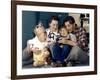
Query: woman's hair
x,y
69,19
37,27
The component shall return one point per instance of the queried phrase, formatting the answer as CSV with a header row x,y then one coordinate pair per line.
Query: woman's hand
x,y
32,48
35,50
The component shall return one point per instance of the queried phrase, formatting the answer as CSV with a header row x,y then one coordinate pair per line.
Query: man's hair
x,y
53,18
69,19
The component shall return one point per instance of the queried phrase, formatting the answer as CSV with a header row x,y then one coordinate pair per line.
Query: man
x,y
79,51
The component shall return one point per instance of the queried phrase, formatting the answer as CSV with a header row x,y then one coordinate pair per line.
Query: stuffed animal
x,y
40,57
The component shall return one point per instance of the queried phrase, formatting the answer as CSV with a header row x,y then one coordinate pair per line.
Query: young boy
x,y
38,46
61,50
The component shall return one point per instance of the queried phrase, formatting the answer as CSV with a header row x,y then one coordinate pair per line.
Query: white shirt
x,y
36,43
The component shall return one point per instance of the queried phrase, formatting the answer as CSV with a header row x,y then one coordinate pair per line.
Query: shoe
x,y
53,64
59,64
64,64
69,64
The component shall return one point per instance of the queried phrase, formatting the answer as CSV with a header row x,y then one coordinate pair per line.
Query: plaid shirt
x,y
81,38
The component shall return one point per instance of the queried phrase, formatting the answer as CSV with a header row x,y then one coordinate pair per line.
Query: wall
x,y
32,18
76,17
28,22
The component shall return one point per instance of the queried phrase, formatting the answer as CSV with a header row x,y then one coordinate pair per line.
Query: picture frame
x,y
16,33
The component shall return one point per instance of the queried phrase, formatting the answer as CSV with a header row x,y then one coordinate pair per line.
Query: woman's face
x,y
40,30
63,32
53,25
69,27
41,34
42,37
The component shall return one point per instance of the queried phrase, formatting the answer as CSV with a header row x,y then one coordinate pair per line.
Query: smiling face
x,y
43,37
63,31
69,27
69,23
40,33
53,25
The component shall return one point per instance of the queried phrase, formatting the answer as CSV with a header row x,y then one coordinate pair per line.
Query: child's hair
x,y
53,18
61,28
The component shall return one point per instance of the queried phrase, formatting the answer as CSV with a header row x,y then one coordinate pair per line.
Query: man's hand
x,y
69,42
62,40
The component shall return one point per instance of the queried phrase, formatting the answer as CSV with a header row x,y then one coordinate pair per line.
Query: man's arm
x,y
69,42
82,42
72,43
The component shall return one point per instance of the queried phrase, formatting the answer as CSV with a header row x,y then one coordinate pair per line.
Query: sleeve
x,y
30,44
82,42
73,37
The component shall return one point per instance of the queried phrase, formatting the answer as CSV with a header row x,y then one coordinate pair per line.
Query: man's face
x,y
69,27
53,25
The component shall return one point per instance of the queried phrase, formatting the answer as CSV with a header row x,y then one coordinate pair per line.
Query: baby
x,y
64,34
38,46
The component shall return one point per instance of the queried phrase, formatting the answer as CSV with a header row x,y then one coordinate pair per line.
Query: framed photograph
x,y
52,39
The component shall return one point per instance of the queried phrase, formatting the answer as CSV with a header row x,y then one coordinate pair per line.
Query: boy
x,y
80,49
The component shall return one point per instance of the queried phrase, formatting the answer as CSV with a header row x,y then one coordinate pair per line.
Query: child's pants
x,y
60,53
